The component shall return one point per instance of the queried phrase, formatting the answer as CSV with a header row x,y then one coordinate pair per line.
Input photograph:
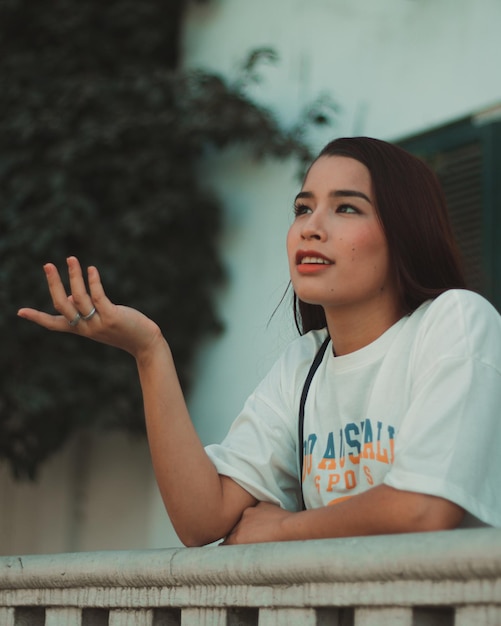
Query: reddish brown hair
x,y
412,210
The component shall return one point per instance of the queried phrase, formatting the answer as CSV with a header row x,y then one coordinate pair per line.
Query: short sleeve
x,y
449,440
260,450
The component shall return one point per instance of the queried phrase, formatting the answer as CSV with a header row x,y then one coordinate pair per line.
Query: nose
x,y
312,227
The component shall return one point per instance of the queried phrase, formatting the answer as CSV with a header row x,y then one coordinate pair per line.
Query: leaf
x,y
100,137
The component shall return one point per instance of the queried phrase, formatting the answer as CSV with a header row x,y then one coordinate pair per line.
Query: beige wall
x,y
97,494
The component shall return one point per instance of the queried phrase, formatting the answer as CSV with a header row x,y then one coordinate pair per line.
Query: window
x,y
466,156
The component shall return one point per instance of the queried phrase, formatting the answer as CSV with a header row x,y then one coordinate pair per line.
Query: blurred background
x,y
165,144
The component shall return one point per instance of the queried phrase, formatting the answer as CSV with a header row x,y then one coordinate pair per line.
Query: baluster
x,y
7,616
478,615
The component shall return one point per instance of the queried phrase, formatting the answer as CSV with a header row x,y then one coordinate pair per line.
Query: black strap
x,y
313,368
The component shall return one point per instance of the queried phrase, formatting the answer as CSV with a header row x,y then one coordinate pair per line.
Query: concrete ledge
x,y
460,555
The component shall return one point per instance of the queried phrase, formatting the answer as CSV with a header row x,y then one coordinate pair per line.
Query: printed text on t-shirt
x,y
339,462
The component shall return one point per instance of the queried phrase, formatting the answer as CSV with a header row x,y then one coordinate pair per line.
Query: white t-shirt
x,y
418,409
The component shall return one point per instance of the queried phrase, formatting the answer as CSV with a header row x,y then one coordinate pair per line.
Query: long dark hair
x,y
412,209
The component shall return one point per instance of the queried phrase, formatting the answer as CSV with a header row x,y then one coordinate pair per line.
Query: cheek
x,y
369,243
290,242
371,250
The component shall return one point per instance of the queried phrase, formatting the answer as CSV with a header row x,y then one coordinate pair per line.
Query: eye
x,y
301,209
347,208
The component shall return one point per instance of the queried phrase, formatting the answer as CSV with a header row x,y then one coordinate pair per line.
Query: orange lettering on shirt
x,y
368,475
329,464
333,481
392,450
317,482
381,456
368,451
338,500
350,480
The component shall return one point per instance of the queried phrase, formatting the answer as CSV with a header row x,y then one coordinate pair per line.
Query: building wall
x,y
395,67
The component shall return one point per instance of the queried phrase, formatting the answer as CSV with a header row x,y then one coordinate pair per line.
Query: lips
x,y
311,263
310,257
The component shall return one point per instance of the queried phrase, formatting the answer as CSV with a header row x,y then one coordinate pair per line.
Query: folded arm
x,y
380,510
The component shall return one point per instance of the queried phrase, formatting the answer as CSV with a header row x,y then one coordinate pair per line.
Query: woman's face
x,y
337,250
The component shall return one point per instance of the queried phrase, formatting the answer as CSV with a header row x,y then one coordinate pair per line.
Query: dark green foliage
x,y
99,141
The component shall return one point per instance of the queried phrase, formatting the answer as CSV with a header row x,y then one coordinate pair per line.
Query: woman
x,y
400,427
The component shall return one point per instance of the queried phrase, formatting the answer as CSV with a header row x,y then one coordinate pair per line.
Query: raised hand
x,y
202,510
91,314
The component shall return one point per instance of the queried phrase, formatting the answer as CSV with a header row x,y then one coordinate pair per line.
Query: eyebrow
x,y
340,193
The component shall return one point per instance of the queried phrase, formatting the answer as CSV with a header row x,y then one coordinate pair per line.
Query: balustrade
x,y
431,579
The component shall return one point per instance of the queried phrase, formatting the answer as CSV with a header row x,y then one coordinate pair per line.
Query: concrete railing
x,y
430,579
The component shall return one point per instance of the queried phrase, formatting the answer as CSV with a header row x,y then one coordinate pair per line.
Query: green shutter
x,y
467,159
460,171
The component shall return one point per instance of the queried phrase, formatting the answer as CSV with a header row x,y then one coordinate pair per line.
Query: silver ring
x,y
75,320
90,315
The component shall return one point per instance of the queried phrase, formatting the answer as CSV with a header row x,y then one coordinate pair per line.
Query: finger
x,y
60,300
102,303
51,322
79,296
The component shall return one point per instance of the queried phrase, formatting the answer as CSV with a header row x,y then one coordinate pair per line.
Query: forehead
x,y
337,172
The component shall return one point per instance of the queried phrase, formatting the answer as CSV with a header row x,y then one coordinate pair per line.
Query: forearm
x,y
202,505
380,510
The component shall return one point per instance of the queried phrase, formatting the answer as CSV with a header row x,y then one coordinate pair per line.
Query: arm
x,y
380,510
203,506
